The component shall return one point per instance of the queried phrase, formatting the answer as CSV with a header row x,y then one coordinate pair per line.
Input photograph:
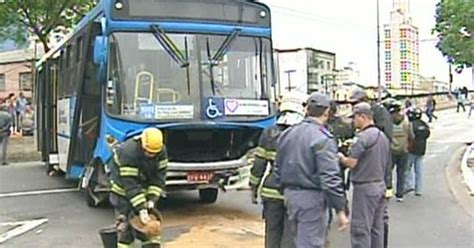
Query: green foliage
x,y
21,18
455,29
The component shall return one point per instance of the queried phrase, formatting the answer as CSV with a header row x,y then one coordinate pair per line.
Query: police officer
x,y
277,233
138,173
308,173
383,121
368,160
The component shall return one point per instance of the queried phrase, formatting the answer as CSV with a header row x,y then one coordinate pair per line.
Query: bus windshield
x,y
168,77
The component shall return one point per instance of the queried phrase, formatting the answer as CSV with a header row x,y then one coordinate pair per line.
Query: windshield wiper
x,y
169,46
219,55
224,48
211,70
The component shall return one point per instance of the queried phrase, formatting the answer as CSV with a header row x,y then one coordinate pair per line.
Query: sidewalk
x,y
22,149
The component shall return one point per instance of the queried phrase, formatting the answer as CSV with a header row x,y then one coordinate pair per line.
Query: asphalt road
x,y
433,220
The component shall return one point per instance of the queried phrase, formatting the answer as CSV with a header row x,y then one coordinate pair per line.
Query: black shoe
x,y
5,163
408,191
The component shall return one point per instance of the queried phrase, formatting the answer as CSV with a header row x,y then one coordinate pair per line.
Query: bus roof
x,y
101,9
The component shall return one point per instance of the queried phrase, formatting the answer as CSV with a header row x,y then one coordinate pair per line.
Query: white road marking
x,y
23,227
38,192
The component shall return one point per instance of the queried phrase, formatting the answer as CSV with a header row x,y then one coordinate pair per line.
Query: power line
x,y
313,17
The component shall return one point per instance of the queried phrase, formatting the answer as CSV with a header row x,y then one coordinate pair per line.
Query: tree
x,y
455,27
21,18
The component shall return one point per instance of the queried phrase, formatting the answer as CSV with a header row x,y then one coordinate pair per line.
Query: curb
x,y
26,163
456,186
467,173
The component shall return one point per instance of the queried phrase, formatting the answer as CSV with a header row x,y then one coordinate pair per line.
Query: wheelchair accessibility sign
x,y
214,108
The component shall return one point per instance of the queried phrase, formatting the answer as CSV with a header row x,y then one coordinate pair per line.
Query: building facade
x,y
433,85
16,70
304,69
401,49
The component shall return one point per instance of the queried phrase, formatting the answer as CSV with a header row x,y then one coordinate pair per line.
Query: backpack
x,y
421,132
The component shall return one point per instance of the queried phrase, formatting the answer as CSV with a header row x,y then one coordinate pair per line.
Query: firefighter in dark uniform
x,y
277,233
307,171
138,173
343,134
368,160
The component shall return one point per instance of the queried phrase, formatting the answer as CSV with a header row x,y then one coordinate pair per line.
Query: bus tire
x,y
209,195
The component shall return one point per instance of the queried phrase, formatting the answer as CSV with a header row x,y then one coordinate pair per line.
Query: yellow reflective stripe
x,y
254,180
163,164
271,155
154,190
271,193
117,189
155,240
128,172
138,200
261,152
121,245
116,159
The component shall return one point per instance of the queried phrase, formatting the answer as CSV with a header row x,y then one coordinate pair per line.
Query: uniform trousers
x,y
368,206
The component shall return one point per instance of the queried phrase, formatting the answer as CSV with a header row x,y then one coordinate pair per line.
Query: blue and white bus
x,y
200,70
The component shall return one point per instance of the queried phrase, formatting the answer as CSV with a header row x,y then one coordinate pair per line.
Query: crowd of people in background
x,y
21,113
16,118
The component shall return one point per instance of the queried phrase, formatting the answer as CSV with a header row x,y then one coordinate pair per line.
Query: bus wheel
x,y
209,195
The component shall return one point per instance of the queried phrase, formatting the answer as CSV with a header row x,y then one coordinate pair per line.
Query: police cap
x,y
318,99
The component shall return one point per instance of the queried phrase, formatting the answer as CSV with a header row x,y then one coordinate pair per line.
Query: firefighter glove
x,y
144,216
150,204
388,193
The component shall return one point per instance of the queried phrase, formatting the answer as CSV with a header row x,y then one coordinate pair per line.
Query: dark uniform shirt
x,y
137,177
372,150
306,159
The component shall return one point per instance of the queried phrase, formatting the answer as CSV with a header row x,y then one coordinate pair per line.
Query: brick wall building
x,y
16,72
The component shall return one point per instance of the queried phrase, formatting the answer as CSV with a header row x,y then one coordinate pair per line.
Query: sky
x,y
349,29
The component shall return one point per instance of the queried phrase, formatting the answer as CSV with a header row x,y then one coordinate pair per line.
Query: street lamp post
x,y
379,83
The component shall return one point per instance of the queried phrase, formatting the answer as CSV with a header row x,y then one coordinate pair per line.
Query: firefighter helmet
x,y
152,140
392,105
292,108
414,114
293,102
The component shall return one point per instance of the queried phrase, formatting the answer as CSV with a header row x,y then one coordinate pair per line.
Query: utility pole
x,y
379,83
450,77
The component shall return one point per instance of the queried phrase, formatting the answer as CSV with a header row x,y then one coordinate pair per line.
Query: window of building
x,y
387,34
388,56
388,45
26,81
403,45
403,55
388,76
388,66
403,33
405,76
2,82
328,65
